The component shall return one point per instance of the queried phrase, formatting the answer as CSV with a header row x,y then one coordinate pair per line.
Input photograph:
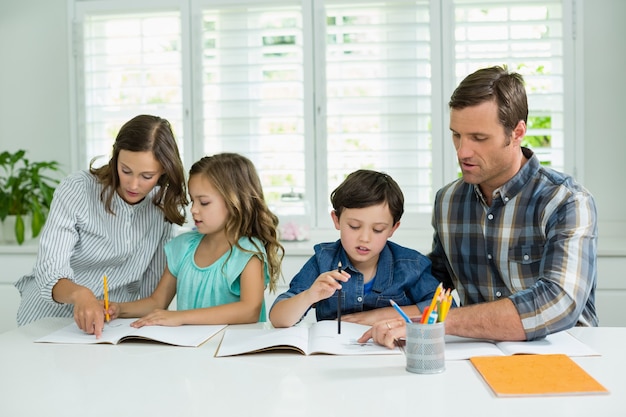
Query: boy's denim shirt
x,y
403,275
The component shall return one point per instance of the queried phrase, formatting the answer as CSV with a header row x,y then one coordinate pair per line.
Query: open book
x,y
119,330
318,338
459,348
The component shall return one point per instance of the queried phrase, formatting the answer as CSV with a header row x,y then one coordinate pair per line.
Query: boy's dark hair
x,y
365,188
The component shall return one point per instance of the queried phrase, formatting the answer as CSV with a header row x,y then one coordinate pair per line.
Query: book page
x,y
323,338
120,329
240,341
462,348
185,335
561,342
71,334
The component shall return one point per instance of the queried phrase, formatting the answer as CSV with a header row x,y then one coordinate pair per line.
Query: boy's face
x,y
364,232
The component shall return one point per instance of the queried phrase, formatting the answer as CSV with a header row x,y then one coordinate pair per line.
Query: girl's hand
x,y
114,310
158,318
326,284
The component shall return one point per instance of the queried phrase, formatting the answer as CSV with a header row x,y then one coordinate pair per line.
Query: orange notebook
x,y
525,375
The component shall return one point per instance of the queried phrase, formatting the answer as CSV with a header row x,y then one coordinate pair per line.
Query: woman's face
x,y
139,172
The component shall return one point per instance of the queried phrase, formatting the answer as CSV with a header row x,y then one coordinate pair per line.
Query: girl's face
x,y
139,172
208,208
364,232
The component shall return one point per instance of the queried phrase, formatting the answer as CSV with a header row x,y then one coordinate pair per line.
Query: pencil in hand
x,y
106,299
339,303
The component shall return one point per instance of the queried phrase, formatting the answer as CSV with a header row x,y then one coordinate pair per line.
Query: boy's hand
x,y
326,284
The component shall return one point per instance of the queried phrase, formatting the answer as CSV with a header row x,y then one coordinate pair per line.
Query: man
x,y
515,239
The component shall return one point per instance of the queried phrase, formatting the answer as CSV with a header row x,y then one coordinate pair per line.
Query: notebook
x,y
535,375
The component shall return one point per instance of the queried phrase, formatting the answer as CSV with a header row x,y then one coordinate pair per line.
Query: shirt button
x,y
526,257
489,256
359,299
498,294
506,198
490,217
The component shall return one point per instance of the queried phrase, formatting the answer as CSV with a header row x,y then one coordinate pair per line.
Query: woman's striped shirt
x,y
82,242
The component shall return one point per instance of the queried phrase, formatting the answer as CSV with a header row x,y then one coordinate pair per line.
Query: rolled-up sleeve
x,y
568,275
59,237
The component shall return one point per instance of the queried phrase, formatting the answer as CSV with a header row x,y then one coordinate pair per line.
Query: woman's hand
x,y
88,312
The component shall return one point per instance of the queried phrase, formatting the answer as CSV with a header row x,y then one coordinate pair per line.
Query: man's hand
x,y
385,332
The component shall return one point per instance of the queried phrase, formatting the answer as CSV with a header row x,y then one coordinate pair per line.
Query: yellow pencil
x,y
434,301
106,298
445,306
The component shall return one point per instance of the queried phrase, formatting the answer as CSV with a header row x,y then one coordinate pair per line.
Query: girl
x,y
113,220
218,272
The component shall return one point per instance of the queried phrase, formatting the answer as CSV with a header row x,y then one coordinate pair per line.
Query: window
x,y
129,63
528,38
311,90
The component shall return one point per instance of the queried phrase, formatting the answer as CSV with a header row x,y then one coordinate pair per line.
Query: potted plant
x,y
25,191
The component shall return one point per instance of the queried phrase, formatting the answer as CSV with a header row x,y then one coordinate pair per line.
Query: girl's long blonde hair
x,y
235,178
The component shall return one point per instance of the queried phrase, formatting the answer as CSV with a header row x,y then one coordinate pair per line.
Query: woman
x,y
113,220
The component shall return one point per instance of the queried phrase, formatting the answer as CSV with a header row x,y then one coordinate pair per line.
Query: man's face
x,y
487,156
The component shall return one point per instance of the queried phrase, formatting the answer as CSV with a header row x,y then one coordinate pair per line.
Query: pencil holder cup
x,y
425,348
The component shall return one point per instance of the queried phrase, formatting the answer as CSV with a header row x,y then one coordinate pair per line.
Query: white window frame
x,y
444,82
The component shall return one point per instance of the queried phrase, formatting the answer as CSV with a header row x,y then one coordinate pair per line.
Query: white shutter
x,y
130,64
311,90
252,88
527,36
378,94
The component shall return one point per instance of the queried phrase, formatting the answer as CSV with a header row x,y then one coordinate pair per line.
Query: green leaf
x,y
19,229
26,189
38,219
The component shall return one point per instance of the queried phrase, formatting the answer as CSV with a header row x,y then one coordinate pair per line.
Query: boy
x,y
367,208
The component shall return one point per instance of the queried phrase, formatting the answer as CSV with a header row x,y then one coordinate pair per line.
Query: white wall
x,y
35,114
34,82
605,92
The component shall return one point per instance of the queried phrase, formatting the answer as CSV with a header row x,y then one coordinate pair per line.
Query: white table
x,y
150,379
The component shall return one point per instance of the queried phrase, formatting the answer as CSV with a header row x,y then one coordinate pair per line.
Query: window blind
x,y
130,64
527,37
253,89
311,90
378,94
